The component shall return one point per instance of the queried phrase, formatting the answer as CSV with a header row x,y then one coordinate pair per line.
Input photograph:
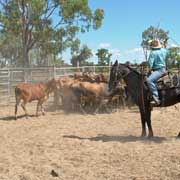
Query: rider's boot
x,y
156,100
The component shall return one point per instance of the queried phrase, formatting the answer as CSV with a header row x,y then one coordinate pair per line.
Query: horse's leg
x,y
148,120
143,121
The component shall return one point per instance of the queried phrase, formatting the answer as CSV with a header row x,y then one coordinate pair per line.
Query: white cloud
x,y
174,45
134,50
137,50
104,45
115,53
134,55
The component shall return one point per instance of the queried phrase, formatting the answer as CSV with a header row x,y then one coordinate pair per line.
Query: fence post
x,y
31,74
94,68
54,71
25,75
109,67
9,86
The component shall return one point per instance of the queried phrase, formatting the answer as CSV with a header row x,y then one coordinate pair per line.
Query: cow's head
x,y
54,84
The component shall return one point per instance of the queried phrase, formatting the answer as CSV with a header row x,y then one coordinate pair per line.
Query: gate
x,y
4,86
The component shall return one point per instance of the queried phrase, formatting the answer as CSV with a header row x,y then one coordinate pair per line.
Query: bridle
x,y
118,74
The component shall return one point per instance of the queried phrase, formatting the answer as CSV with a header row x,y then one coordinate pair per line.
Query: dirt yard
x,y
89,147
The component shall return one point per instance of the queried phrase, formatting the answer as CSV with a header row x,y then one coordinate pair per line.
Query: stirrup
x,y
156,100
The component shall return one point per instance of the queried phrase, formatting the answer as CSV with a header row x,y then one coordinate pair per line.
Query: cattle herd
x,y
81,92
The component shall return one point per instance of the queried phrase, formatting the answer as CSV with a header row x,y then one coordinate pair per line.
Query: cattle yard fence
x,y
10,77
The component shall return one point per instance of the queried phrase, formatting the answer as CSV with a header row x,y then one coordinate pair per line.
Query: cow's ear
x,y
116,63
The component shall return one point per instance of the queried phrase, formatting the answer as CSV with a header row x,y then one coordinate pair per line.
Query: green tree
x,y
104,57
10,48
80,58
174,57
152,33
49,25
75,47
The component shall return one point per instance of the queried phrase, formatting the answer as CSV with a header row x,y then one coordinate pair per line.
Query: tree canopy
x,y
49,25
174,57
150,34
80,58
104,56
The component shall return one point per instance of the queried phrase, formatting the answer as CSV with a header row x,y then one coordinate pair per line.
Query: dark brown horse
x,y
141,94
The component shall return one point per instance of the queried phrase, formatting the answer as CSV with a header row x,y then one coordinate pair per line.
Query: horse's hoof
x,y
178,136
150,136
143,134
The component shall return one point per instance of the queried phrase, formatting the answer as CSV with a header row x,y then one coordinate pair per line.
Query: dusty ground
x,y
89,147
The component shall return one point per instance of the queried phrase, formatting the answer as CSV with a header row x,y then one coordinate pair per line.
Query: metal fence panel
x,y
10,77
4,86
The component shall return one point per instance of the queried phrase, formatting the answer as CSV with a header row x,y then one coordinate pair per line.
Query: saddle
x,y
168,81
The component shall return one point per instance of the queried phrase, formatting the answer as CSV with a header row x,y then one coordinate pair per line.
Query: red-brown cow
x,y
94,93
29,92
101,78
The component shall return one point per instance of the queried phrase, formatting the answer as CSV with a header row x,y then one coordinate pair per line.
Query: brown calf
x,y
29,92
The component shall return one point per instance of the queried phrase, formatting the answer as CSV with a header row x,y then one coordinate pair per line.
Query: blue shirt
x,y
157,58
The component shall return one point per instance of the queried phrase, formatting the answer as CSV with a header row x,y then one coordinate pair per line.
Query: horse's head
x,y
118,71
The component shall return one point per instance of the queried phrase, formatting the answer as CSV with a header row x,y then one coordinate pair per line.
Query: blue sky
x,y
124,22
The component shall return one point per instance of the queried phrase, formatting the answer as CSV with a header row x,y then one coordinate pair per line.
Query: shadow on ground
x,y
10,118
123,139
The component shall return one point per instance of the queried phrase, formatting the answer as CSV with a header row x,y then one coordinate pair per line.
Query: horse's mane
x,y
132,69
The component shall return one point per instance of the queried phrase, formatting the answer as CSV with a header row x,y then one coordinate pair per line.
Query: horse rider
x,y
157,63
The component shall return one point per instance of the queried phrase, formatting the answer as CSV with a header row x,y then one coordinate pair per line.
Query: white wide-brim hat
x,y
155,43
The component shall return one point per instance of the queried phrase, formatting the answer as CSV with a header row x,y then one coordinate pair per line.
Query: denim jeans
x,y
151,80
